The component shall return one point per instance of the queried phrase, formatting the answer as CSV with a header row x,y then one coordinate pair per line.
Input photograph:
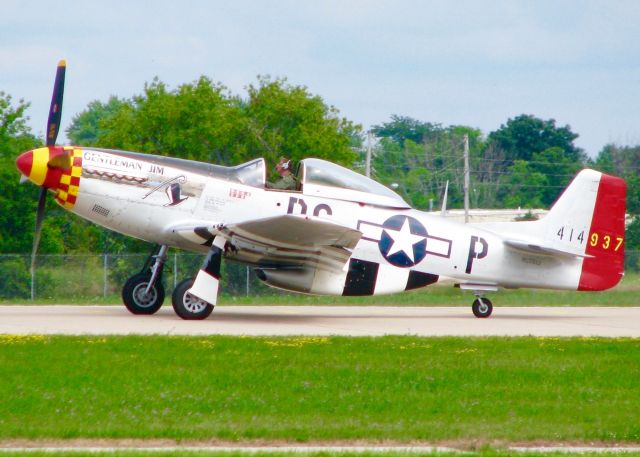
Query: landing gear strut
x,y
482,307
194,298
143,293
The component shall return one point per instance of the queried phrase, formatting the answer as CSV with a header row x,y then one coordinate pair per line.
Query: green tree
x,y
204,121
286,120
523,186
632,243
402,168
558,170
623,161
633,234
525,135
529,161
17,202
198,121
87,126
422,168
403,128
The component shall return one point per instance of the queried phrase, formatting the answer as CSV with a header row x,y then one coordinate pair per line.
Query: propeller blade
x,y
55,111
42,199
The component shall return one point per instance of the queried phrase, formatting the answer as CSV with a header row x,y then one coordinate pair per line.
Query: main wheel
x,y
189,306
482,307
137,300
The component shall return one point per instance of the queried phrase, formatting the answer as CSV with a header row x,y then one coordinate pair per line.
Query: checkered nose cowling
x,y
56,168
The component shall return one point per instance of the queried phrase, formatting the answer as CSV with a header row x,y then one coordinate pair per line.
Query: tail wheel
x,y
137,299
189,306
482,307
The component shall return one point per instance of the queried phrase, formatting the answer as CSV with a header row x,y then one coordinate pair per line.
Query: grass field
x,y
313,389
481,453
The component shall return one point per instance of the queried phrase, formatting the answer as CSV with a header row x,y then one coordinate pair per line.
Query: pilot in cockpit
x,y
287,180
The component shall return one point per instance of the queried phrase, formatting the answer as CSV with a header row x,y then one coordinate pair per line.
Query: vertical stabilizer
x,y
588,219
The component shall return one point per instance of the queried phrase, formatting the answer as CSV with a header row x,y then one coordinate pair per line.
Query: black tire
x,y
134,297
482,307
187,306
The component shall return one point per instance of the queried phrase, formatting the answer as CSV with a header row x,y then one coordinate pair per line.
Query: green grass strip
x,y
320,389
489,452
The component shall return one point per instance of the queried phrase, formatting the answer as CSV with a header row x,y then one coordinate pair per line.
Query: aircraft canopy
x,y
325,179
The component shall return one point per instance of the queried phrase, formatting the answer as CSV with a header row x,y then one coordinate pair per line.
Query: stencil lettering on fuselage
x,y
302,207
403,240
478,249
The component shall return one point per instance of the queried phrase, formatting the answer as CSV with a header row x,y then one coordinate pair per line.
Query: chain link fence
x,y
95,276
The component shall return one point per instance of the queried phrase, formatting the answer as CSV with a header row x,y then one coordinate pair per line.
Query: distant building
x,y
494,215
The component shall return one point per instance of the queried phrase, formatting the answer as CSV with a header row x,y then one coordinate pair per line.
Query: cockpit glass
x,y
323,173
251,173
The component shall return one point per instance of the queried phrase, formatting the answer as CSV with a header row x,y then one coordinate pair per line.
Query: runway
x,y
325,320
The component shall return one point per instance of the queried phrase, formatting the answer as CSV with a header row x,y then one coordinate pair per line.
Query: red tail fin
x,y
605,266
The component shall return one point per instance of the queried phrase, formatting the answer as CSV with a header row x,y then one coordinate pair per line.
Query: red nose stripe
x,y
24,162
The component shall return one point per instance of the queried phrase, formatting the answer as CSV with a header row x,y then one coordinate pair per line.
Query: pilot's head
x,y
284,166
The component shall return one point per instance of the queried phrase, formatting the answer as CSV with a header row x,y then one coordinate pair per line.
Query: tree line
x,y
525,163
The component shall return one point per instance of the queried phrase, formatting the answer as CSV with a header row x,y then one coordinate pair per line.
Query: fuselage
x,y
147,196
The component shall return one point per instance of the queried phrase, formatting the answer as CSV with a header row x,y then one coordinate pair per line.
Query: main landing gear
x,y
482,307
143,293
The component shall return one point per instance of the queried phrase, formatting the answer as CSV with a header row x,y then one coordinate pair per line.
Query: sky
x,y
475,63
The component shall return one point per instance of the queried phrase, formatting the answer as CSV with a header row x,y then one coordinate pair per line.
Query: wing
x,y
284,242
302,232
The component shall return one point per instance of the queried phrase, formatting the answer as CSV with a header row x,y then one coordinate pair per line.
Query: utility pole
x,y
466,178
367,170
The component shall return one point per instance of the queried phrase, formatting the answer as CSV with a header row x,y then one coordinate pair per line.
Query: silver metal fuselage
x,y
153,197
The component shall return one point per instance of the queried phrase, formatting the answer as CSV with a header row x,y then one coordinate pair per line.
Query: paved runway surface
x,y
324,320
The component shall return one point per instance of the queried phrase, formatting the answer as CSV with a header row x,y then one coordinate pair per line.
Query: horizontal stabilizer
x,y
540,249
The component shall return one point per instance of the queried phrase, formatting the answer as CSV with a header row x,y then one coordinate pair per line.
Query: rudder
x,y
604,265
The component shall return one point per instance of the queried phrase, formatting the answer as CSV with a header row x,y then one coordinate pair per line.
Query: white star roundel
x,y
404,241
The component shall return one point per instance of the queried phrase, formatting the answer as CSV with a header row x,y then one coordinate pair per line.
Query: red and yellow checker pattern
x,y
70,180
56,168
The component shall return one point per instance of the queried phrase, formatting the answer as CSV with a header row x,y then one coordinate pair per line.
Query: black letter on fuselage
x,y
299,201
322,207
474,254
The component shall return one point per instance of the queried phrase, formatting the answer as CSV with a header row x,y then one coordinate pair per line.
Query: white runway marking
x,y
325,320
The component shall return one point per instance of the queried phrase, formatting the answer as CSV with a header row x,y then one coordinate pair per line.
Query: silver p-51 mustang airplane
x,y
339,233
